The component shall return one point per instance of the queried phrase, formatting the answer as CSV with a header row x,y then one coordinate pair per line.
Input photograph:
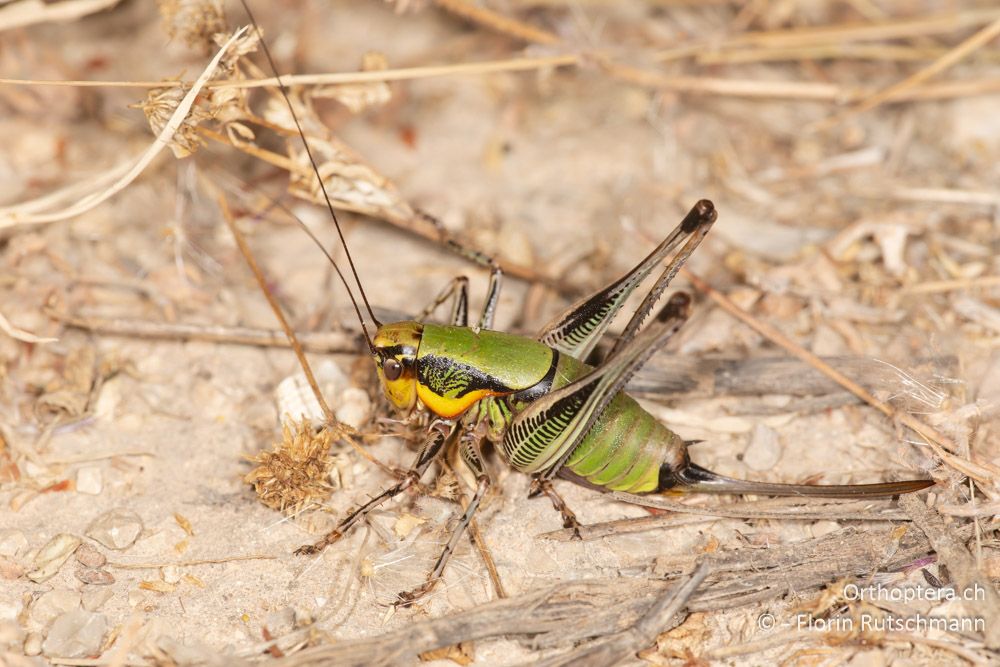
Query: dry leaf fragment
x,y
70,395
52,556
349,181
460,654
405,524
158,586
184,523
194,581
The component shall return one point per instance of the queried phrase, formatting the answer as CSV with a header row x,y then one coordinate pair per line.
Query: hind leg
x,y
539,486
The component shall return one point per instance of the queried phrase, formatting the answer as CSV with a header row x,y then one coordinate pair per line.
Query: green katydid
x,y
545,410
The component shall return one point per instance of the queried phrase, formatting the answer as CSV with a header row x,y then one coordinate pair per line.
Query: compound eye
x,y
391,369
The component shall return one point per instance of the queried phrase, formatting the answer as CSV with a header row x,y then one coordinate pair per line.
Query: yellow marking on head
x,y
399,341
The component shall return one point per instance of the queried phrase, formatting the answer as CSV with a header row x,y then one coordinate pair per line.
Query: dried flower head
x,y
296,471
160,105
195,21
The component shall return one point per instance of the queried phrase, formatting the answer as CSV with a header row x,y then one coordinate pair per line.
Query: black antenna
x,y
319,244
322,186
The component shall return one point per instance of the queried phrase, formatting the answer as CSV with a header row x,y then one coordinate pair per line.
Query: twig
x,y
331,420
411,221
784,508
952,57
853,511
334,342
20,334
938,286
622,646
891,28
497,22
189,563
961,564
985,473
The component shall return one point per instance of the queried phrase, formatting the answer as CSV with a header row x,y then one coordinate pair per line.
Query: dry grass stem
x,y
949,59
125,173
29,12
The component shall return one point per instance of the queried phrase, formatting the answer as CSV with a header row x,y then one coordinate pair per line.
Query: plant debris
x,y
296,472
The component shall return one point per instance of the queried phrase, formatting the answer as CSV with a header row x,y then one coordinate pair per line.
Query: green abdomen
x,y
626,447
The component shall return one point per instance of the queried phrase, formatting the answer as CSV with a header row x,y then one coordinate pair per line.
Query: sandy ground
x,y
573,172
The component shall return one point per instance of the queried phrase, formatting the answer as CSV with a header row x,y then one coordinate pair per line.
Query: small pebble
x,y
88,480
171,574
12,542
11,635
54,603
94,576
76,634
88,556
51,557
764,450
295,397
10,569
117,529
354,407
32,644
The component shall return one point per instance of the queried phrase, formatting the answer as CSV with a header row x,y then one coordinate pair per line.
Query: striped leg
x,y
576,331
441,432
472,456
459,288
543,435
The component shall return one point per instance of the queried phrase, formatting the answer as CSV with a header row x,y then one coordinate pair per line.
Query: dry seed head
x,y
243,46
160,105
195,21
296,472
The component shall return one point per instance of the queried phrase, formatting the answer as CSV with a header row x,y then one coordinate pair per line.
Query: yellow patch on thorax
x,y
447,407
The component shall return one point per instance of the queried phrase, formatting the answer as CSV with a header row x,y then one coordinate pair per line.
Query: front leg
x,y
441,432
